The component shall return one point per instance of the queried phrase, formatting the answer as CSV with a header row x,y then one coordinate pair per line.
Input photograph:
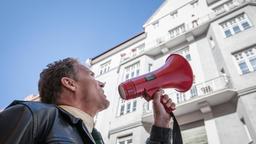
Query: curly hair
x,y
49,85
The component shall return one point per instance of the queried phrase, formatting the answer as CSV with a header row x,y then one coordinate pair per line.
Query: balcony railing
x,y
201,89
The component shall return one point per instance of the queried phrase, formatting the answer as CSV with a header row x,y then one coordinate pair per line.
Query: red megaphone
x,y
176,73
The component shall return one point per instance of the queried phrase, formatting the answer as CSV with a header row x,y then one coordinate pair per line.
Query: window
x,y
193,91
141,48
224,7
220,9
134,106
228,33
128,109
253,63
132,71
155,24
236,29
122,110
177,31
127,106
246,25
180,97
132,52
125,140
150,67
174,14
188,57
236,25
185,53
131,105
246,60
105,67
244,68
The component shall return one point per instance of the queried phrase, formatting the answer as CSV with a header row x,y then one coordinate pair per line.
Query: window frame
x,y
245,56
235,22
105,67
125,139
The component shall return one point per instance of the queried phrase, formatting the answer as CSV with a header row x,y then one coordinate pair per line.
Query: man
x,y
71,97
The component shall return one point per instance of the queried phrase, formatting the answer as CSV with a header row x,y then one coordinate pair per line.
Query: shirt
x,y
78,113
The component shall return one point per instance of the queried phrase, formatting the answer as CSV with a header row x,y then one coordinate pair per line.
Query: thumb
x,y
157,97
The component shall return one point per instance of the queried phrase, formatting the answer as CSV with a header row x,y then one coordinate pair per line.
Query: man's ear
x,y
69,83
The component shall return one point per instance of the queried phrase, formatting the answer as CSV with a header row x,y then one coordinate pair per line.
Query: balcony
x,y
177,36
215,91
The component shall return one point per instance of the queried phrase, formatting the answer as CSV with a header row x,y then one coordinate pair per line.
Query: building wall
x,y
223,113
246,111
227,46
231,130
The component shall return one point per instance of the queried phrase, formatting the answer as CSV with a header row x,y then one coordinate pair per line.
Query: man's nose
x,y
102,84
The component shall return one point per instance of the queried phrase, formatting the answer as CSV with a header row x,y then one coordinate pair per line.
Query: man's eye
x,y
92,74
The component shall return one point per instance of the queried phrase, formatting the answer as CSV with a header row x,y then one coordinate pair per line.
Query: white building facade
x,y
217,37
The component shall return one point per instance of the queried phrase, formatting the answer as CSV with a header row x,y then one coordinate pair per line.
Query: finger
x,y
173,105
168,105
169,100
165,98
158,94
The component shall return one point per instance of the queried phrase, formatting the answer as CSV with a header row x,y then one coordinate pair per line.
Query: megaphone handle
x,y
168,109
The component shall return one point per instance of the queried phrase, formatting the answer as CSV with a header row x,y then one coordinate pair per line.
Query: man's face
x,y
90,89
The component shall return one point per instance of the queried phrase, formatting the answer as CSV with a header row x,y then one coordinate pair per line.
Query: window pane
x,y
244,68
253,63
132,74
236,29
246,25
134,105
122,110
178,97
228,33
193,91
128,108
137,72
129,141
127,76
188,57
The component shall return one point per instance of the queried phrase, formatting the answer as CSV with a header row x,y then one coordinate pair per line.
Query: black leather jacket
x,y
36,123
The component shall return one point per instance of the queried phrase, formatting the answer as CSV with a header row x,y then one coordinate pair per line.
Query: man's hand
x,y
161,117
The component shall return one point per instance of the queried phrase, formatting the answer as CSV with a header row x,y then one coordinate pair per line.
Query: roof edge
x,y
94,59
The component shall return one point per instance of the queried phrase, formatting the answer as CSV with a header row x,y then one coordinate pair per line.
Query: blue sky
x,y
34,33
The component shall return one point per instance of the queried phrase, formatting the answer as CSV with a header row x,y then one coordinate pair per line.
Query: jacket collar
x,y
77,122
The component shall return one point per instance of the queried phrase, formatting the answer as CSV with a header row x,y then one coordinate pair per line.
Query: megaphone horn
x,y
175,73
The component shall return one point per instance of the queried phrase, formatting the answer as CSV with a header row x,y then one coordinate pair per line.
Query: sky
x,y
34,33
